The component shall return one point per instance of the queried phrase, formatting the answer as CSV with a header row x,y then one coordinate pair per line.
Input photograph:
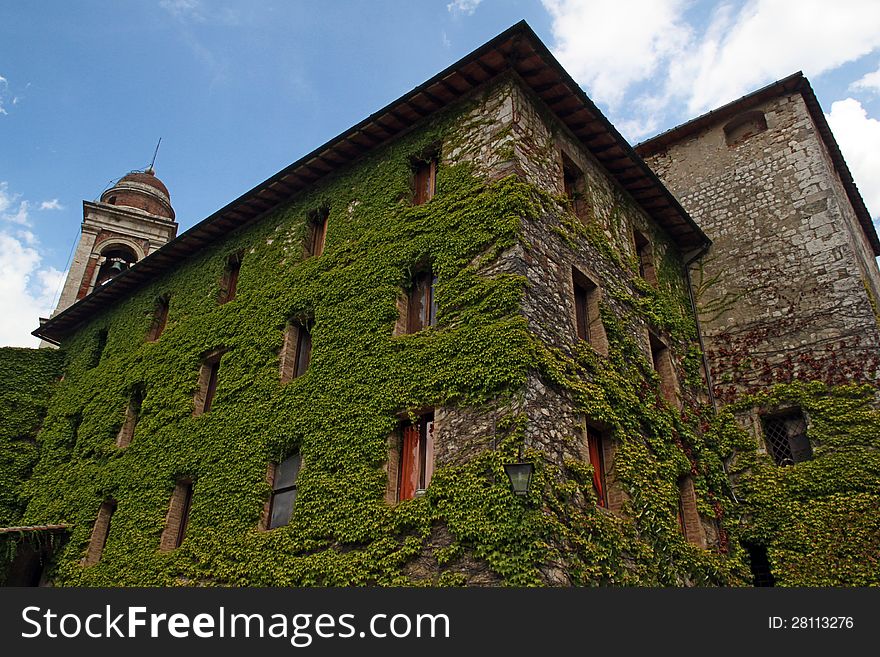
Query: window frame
x,y
424,179
419,438
277,491
782,415
160,318
296,350
229,281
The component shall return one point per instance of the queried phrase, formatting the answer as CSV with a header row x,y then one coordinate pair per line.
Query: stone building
x,y
790,284
325,381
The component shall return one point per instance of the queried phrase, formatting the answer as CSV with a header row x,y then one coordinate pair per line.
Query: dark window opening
x,y
100,533
98,348
786,437
177,520
661,357
645,257
112,200
424,180
160,318
184,513
421,306
416,464
596,446
207,387
759,564
574,185
284,491
229,282
132,414
317,233
116,260
296,353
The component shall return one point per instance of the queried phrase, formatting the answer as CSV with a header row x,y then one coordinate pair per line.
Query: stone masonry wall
x,y
782,291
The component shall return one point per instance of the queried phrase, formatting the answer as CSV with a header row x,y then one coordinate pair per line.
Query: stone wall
x,y
783,290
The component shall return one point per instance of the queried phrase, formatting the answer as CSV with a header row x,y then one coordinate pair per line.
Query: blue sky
x,y
238,90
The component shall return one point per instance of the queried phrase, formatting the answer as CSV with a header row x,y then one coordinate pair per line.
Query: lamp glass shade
x,y
520,475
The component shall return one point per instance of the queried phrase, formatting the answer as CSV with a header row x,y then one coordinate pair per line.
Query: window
x,y
688,516
132,411
663,365
424,180
744,126
416,457
596,446
177,520
296,351
284,491
421,307
100,532
573,184
645,257
160,317
317,233
786,437
208,374
588,322
98,347
759,563
229,282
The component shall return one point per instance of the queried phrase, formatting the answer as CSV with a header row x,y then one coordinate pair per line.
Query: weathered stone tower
x,y
790,285
133,218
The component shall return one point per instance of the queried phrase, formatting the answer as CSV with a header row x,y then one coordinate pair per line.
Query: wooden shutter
x,y
409,463
594,439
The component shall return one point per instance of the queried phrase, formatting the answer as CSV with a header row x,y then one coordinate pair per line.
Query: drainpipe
x,y
687,274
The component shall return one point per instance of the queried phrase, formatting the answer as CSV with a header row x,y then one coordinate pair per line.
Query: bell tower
x,y
133,218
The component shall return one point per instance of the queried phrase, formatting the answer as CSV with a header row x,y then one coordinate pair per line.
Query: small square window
x,y
786,438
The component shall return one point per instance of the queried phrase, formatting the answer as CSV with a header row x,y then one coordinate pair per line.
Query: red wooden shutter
x,y
595,443
409,463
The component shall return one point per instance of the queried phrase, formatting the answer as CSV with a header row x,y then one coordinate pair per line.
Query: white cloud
x,y
868,82
692,67
605,49
769,39
184,9
51,205
11,209
466,7
859,138
27,289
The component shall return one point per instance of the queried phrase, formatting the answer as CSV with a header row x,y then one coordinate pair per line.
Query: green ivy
x,y
468,528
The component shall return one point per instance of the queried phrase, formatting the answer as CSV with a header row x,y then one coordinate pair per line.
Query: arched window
x,y
117,258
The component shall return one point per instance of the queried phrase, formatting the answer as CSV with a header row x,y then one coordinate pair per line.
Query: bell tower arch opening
x,y
132,218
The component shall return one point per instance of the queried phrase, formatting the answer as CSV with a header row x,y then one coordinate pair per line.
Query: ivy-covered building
x,y
322,382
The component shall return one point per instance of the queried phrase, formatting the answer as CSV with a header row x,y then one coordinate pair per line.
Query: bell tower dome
x,y
132,219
